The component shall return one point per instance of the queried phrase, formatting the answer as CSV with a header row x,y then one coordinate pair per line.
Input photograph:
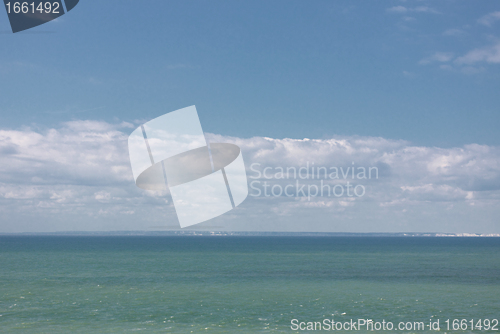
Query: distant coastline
x,y
188,233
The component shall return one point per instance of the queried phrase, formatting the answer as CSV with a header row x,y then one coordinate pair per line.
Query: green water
x,y
241,284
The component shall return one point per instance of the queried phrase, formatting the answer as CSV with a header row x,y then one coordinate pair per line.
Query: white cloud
x,y
419,9
77,177
425,9
78,152
453,32
397,9
489,19
489,54
441,57
409,74
470,168
470,63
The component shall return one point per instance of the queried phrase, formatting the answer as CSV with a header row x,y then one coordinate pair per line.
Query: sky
x,y
410,87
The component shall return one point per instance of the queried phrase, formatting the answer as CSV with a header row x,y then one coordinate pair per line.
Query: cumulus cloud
x,y
67,172
469,168
80,152
78,177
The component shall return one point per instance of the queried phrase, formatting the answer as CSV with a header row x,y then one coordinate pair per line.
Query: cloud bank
x,y
78,177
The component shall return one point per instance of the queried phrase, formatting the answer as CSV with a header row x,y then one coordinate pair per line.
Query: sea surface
x,y
77,284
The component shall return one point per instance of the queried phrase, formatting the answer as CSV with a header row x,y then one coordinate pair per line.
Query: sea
x,y
248,284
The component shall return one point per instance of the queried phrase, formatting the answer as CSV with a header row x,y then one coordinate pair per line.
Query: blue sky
x,y
408,86
263,68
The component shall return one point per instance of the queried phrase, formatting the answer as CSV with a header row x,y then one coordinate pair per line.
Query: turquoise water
x,y
241,284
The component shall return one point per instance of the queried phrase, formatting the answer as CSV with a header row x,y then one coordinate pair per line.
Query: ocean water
x,y
61,284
